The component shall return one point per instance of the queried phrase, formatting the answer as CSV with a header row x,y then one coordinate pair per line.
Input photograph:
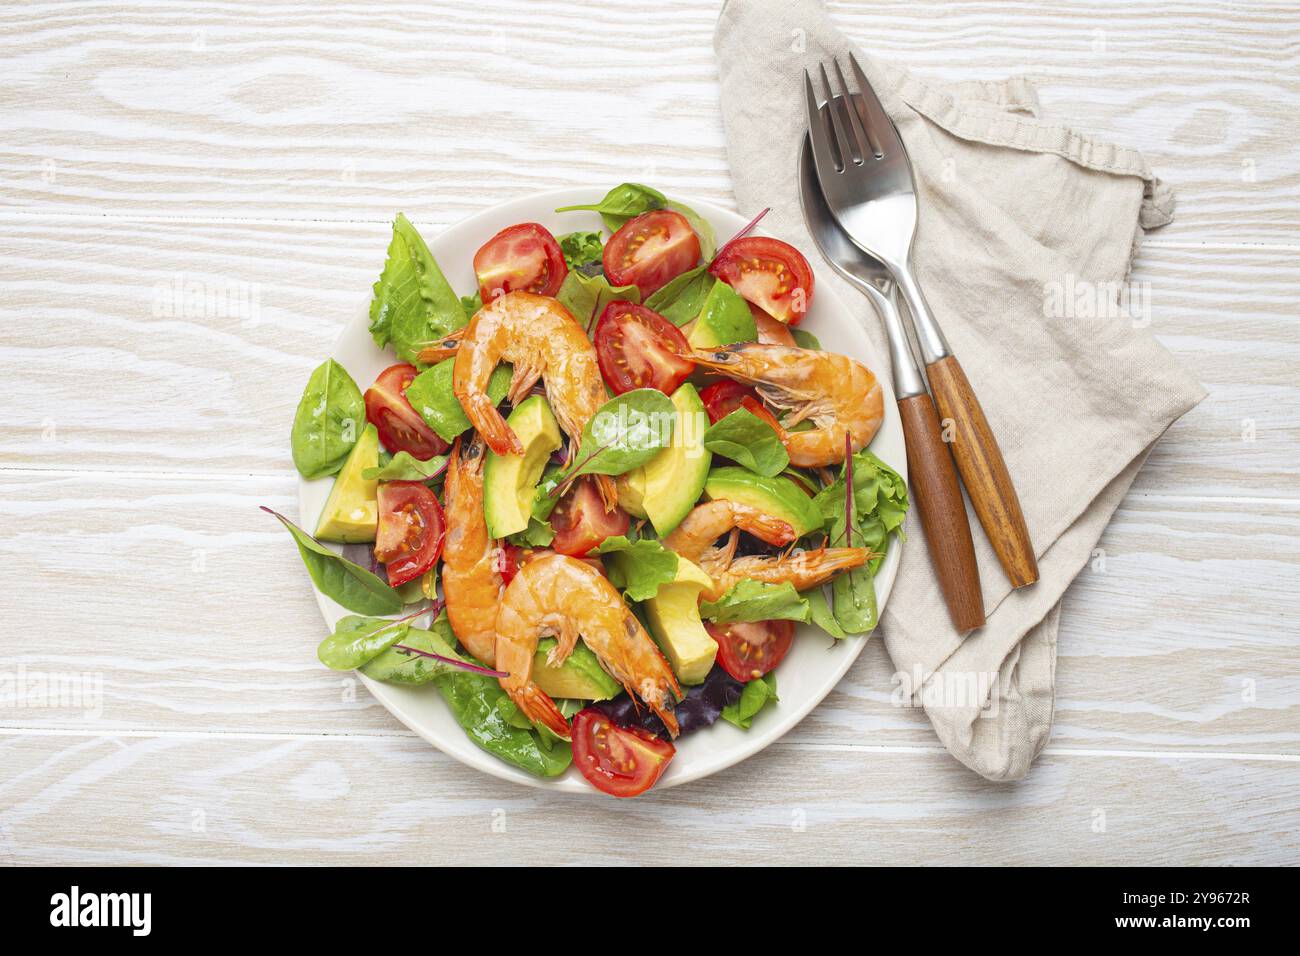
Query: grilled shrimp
x,y
711,520
839,395
471,560
569,598
803,569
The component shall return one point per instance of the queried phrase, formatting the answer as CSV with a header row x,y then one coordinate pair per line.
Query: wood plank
x,y
193,609
209,388
386,801
344,111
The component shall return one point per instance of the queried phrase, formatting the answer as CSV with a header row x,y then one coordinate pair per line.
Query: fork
x,y
866,178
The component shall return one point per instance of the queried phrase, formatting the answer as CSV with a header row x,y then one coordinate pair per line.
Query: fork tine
x,y
823,158
855,121
880,128
842,145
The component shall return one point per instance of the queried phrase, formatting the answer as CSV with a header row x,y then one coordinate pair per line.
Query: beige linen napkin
x,y
1027,232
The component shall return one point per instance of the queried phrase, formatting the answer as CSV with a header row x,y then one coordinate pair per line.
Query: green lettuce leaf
x,y
756,695
749,441
638,567
431,395
681,300
414,305
586,296
749,600
581,249
406,467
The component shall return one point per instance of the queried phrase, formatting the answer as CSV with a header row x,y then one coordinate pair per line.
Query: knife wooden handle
x,y
943,513
983,470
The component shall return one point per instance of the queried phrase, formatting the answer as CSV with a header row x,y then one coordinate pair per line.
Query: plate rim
x,y
394,697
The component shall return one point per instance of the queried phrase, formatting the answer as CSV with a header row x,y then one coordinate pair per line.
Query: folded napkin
x,y
1027,233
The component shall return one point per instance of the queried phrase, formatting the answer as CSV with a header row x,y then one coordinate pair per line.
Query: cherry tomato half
x,y
621,761
581,522
650,250
411,529
509,558
722,398
524,258
399,425
639,348
749,649
770,273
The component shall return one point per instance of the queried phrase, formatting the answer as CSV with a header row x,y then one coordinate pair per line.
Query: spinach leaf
x,y
414,305
430,394
625,201
750,600
748,440
581,249
358,639
399,667
406,467
703,229
328,421
756,695
682,298
625,433
338,578
586,296
821,615
805,339
638,567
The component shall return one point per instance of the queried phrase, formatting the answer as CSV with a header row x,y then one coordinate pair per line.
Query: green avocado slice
x,y
580,677
510,481
666,488
724,319
351,514
779,497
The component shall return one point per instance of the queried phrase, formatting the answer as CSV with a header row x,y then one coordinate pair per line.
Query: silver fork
x,y
866,178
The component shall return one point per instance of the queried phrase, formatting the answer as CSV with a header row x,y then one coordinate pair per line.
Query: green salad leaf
x,y
750,600
430,394
330,416
582,250
625,201
682,298
820,613
805,339
414,305
356,640
470,304
748,440
348,584
625,433
703,229
638,567
879,505
586,296
756,695
406,467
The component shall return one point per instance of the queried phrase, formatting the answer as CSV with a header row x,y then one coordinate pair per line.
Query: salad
x,y
589,501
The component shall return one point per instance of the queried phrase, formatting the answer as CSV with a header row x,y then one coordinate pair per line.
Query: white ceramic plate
x,y
814,665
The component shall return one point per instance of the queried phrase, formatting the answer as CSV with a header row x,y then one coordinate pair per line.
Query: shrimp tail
x,y
762,526
534,704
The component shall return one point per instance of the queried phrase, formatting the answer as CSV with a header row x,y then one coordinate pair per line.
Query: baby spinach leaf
x,y
821,615
414,305
805,339
338,578
703,229
581,249
638,567
625,201
395,666
330,416
682,298
750,600
748,440
430,394
406,467
756,695
586,296
625,433
358,639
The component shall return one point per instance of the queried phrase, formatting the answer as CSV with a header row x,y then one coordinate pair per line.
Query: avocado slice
x,y
666,488
510,481
674,617
351,514
779,497
631,492
581,676
724,319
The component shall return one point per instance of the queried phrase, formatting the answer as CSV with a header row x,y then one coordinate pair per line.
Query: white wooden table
x,y
270,144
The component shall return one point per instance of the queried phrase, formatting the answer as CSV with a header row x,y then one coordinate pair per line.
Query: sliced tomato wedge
x,y
650,250
411,529
770,273
522,258
749,649
722,398
399,425
638,348
581,522
621,761
509,558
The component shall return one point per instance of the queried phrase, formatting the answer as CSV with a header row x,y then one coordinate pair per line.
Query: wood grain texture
x,y
254,156
933,489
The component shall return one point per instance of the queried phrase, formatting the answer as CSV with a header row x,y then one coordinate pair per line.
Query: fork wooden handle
x,y
943,513
985,474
